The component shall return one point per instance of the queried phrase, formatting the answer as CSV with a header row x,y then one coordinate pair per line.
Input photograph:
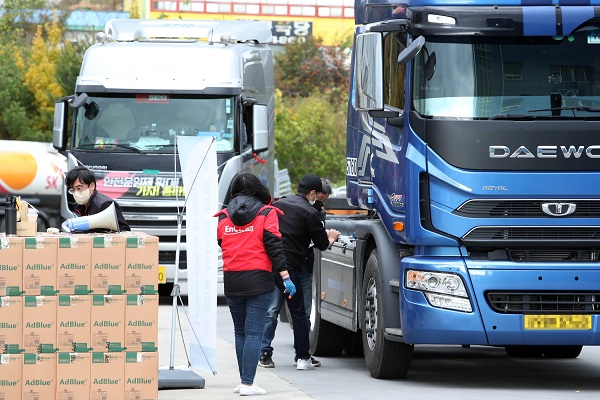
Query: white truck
x,y
148,81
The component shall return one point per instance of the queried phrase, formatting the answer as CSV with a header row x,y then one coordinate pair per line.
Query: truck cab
x,y
471,142
149,81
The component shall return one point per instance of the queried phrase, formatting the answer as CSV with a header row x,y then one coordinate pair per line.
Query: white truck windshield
x,y
526,77
149,123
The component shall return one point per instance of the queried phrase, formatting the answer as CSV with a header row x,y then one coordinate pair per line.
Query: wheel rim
x,y
371,314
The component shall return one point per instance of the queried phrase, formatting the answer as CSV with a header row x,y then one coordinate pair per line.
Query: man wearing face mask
x,y
300,224
81,184
307,267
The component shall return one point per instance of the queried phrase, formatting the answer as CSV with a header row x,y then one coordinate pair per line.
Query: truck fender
x,y
372,234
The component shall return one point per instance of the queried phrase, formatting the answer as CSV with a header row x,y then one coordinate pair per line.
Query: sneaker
x,y
314,362
251,390
237,388
265,360
305,364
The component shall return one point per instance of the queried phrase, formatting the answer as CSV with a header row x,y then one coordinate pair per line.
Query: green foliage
x,y
15,100
307,67
70,57
310,137
40,76
16,21
38,67
310,113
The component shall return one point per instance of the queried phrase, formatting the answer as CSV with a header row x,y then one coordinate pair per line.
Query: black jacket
x,y
99,202
300,224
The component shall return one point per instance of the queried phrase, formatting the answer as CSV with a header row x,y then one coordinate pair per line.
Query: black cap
x,y
311,182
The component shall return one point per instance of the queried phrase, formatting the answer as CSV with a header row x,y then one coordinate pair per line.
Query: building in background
x,y
290,20
83,24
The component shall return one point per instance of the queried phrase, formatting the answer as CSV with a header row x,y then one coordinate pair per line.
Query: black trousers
x,y
298,313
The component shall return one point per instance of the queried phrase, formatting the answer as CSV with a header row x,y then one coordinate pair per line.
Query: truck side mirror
x,y
260,128
59,132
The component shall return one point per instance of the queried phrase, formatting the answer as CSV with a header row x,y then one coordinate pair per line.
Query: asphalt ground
x,y
221,385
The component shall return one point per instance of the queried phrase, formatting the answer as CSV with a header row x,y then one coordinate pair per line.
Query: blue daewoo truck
x,y
473,146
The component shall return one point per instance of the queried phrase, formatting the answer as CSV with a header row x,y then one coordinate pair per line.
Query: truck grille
x,y
149,210
502,235
553,255
544,302
168,257
523,209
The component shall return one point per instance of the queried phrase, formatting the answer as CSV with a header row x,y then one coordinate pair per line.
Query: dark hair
x,y
246,184
85,176
326,186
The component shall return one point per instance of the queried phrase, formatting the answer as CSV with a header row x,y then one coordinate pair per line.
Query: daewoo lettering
x,y
545,152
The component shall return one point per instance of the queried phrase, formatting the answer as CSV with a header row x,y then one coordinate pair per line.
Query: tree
x,y
310,137
306,67
40,79
310,113
30,49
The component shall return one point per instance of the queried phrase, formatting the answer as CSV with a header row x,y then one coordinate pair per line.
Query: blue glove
x,y
290,288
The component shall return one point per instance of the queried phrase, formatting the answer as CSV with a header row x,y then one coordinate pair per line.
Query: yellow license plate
x,y
162,274
558,322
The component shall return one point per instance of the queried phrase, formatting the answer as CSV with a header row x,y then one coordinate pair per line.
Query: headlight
x,y
441,289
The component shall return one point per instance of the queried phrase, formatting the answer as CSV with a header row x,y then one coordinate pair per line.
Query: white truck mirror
x,y
260,128
59,132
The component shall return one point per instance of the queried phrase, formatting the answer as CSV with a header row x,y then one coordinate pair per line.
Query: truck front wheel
x,y
385,359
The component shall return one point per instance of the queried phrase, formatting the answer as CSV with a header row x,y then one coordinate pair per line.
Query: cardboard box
x,y
39,324
107,376
141,322
73,376
11,370
39,265
39,376
11,266
23,210
141,260
141,375
11,324
108,320
27,228
108,264
74,264
73,323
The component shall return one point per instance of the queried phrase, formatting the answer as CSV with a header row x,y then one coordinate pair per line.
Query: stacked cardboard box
x,y
79,316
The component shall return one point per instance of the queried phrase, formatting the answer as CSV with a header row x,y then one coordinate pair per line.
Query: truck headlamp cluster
x,y
441,289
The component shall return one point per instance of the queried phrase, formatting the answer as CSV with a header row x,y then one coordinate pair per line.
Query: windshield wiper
x,y
516,116
554,109
573,108
122,146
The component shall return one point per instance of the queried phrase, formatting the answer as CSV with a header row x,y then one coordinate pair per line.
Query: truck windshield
x,y
494,77
149,123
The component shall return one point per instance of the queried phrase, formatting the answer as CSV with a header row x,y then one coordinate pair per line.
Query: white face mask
x,y
82,198
312,202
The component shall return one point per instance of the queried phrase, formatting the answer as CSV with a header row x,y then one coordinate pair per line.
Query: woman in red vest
x,y
248,233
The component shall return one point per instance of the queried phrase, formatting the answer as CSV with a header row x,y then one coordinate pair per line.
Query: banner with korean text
x,y
198,159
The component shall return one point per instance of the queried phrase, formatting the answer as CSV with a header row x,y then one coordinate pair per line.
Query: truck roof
x,y
135,29
171,64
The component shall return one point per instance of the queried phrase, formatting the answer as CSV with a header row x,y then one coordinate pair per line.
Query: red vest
x,y
243,247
